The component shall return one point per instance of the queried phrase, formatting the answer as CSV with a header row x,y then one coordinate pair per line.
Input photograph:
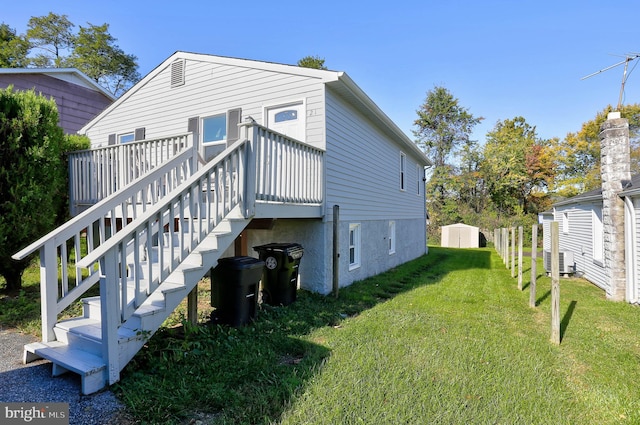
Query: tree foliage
x,y
50,42
579,154
32,178
51,35
96,54
13,48
314,62
517,167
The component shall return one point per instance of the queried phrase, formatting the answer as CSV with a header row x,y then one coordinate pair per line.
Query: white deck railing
x,y
263,166
97,173
63,248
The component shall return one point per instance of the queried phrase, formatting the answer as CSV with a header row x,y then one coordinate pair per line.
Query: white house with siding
x,y
598,230
207,157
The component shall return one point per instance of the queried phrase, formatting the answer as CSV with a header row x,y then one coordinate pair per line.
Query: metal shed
x,y
460,236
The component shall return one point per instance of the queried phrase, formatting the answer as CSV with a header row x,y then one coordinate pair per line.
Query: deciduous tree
x,y
315,62
96,54
52,36
13,48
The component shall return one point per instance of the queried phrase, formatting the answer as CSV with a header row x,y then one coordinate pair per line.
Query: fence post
x,y
555,283
534,265
520,237
513,252
505,247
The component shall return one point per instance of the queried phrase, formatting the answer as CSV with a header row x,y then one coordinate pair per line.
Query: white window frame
x,y
565,222
403,171
218,141
597,232
355,238
392,237
126,137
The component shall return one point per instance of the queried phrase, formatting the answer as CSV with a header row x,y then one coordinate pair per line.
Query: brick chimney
x,y
615,166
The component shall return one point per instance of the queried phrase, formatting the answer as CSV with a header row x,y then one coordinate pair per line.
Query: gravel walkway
x,y
33,383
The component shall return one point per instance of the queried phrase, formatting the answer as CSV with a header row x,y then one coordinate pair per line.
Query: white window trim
x,y
357,237
403,172
597,232
565,222
392,237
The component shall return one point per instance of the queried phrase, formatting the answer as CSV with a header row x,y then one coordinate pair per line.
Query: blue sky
x,y
501,59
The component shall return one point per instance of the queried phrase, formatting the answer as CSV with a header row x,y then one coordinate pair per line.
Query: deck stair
x,y
148,244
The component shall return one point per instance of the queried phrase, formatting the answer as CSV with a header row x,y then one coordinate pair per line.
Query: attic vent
x,y
177,73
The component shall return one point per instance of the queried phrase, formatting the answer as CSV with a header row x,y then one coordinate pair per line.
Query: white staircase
x,y
149,243
78,346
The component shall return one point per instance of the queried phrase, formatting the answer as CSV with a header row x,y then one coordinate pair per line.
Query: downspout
x,y
630,250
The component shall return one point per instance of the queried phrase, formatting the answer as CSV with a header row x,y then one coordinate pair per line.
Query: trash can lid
x,y
285,247
240,262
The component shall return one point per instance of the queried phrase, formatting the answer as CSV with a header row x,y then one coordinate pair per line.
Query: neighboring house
x,y
224,154
598,230
79,99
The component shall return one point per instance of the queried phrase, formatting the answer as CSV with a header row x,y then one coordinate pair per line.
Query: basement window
x,y
354,246
392,237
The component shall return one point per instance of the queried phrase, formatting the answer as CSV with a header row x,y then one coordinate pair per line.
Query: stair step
x,y
90,367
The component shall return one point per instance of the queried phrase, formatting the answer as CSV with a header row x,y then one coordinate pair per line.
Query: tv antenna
x,y
628,59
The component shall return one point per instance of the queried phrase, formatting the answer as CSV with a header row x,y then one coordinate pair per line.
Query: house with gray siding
x,y
208,157
78,98
598,230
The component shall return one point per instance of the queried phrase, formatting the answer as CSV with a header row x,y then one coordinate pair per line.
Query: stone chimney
x,y
615,166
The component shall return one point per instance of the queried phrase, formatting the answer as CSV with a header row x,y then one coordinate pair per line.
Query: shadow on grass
x,y
543,297
252,373
564,323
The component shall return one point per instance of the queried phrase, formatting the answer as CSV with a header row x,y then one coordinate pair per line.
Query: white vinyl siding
x,y
362,168
579,240
210,88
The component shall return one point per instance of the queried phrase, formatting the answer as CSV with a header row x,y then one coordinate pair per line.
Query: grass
x,y
447,338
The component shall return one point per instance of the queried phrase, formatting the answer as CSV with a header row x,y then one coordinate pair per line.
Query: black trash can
x,y
282,261
235,283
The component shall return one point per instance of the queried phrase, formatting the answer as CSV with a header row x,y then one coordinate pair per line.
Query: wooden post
x,y
336,250
534,265
520,236
505,247
192,306
555,283
513,252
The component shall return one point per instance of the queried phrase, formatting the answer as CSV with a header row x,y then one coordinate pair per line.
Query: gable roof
x,y
338,81
70,75
630,188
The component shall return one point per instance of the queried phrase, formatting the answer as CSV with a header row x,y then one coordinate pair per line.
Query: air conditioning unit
x,y
566,262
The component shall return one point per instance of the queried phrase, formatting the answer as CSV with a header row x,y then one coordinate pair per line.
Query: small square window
x,y
214,129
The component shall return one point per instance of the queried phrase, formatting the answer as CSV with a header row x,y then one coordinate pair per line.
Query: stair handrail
x,y
198,204
98,172
99,223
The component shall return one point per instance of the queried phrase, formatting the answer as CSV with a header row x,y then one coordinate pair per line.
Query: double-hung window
x,y
403,164
214,129
354,245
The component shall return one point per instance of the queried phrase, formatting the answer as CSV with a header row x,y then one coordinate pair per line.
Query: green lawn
x,y
445,339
